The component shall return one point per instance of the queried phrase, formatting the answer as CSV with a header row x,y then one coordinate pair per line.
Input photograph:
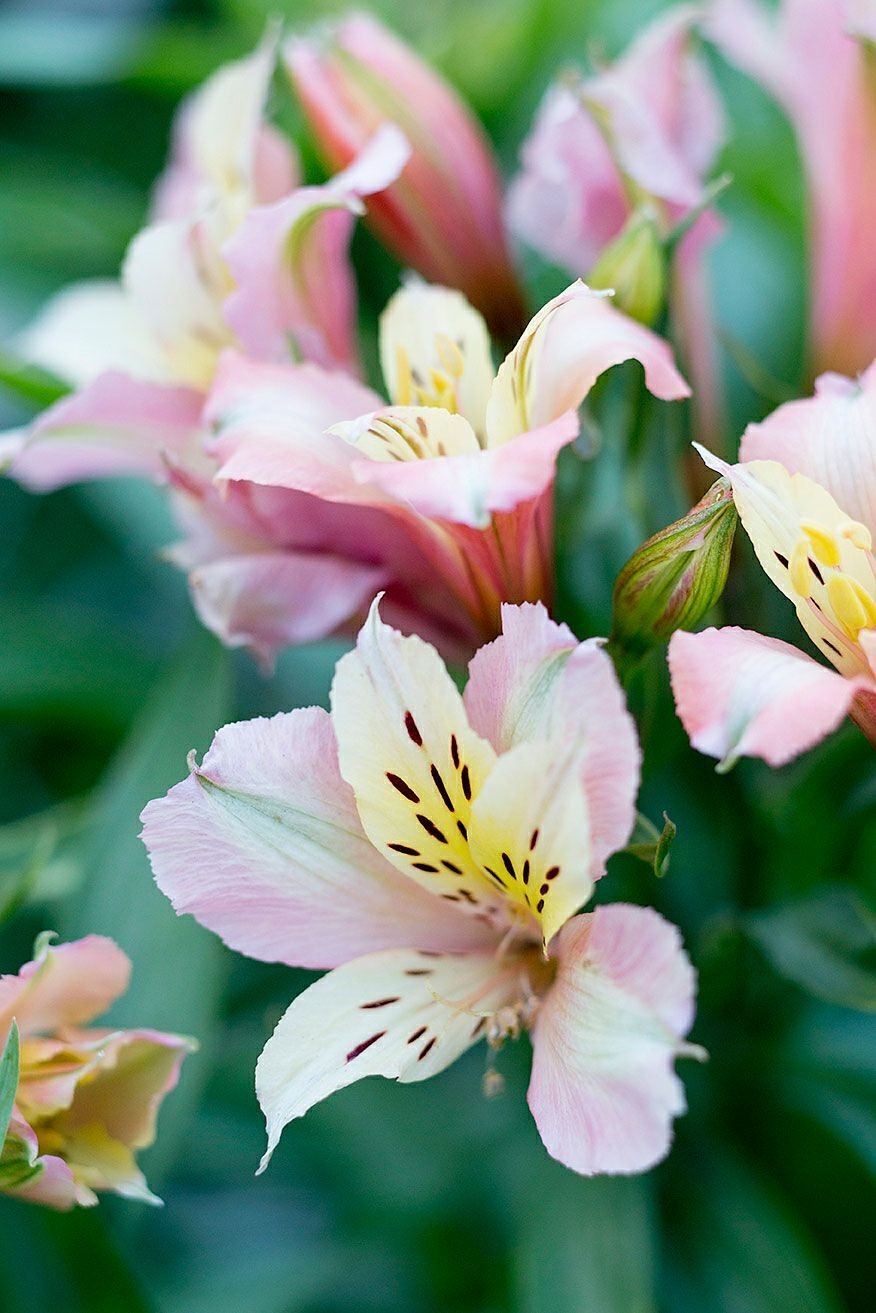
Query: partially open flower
x,y
87,1099
806,495
435,850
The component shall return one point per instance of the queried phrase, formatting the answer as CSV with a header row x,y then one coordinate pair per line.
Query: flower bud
x,y
634,267
443,216
673,579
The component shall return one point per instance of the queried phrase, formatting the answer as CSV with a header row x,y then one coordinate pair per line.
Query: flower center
x,y
846,602
441,387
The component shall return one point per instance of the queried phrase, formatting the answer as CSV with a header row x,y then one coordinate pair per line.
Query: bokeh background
x,y
409,1199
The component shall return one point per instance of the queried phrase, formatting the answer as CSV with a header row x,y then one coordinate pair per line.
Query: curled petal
x,y
46,1179
262,844
398,1014
571,341
603,1090
740,694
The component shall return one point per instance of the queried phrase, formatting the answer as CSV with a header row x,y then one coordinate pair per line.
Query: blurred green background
x,y
409,1199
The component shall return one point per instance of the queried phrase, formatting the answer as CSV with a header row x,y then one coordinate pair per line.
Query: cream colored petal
x,y
413,762
403,433
435,350
530,829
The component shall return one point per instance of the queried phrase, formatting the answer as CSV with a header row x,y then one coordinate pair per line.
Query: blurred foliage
x,y
400,1198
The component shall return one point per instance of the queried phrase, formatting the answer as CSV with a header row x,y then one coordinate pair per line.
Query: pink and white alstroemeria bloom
x,y
806,494
238,254
434,850
87,1099
646,129
458,467
815,58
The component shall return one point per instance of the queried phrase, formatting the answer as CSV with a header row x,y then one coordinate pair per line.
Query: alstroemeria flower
x,y
443,216
238,254
645,130
813,57
434,850
459,463
806,495
87,1099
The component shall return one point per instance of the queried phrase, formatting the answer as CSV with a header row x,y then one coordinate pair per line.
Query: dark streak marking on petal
x,y
418,971
462,830
544,888
525,872
833,647
427,1047
431,828
425,866
509,866
815,570
366,1044
552,873
465,781
404,789
404,848
440,786
539,905
782,560
479,1025
451,866
534,840
412,1039
380,1002
454,751
413,732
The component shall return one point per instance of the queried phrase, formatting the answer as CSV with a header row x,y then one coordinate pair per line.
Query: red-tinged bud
x,y
443,217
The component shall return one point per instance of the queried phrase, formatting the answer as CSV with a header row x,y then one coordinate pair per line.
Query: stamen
x,y
801,577
857,534
404,388
450,355
824,545
852,605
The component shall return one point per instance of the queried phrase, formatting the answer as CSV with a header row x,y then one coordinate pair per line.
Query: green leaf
x,y
826,944
30,382
590,1249
734,1246
8,1080
178,966
652,845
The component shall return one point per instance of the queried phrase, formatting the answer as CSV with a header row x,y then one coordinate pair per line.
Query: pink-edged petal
x,y
271,600
398,1014
89,328
571,341
694,318
830,437
116,425
45,1180
469,489
568,200
603,1090
295,287
660,110
263,845
536,681
64,985
271,423
740,694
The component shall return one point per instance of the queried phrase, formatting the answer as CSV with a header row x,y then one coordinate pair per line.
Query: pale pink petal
x,y
397,1014
571,341
295,289
663,115
830,437
262,843
567,201
116,425
536,681
271,423
740,694
469,489
695,325
603,1090
64,986
270,600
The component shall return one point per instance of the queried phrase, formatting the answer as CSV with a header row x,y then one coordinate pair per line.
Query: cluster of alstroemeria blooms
x,y
434,849
86,1098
